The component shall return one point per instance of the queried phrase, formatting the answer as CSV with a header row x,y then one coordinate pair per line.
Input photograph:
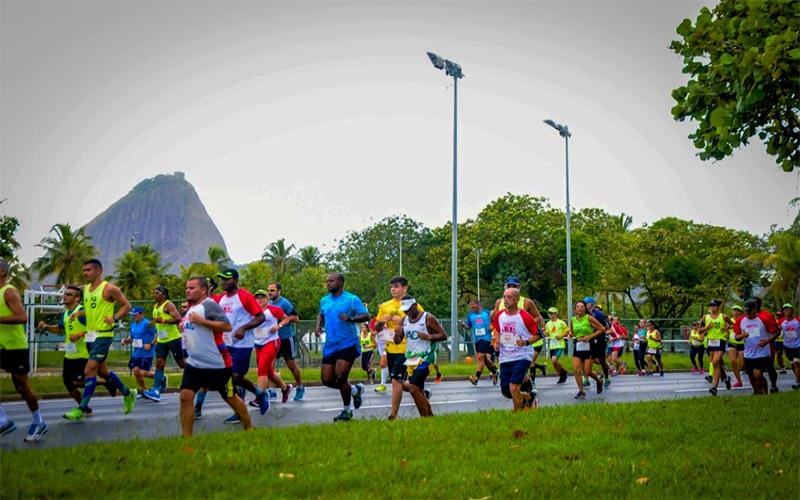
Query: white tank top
x,y
416,347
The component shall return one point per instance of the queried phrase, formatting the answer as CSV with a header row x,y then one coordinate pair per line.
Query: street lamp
x,y
452,69
478,271
563,131
401,254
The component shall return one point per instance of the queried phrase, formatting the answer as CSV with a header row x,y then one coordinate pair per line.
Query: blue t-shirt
x,y
145,332
480,323
601,317
340,334
289,310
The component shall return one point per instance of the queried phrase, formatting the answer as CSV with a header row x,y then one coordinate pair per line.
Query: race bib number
x,y
582,346
91,336
713,342
651,350
261,333
228,337
162,334
413,362
555,344
508,339
695,343
71,348
753,333
790,334
480,332
137,343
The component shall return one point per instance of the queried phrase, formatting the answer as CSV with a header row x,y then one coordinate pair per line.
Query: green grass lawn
x,y
633,450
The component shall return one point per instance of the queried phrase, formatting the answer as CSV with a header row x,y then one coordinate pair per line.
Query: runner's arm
x,y
116,295
14,302
175,316
437,332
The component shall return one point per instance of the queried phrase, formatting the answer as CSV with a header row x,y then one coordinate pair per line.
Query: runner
x,y
99,297
339,311
517,331
790,328
208,364
367,339
772,372
757,328
142,337
289,341
736,349
557,331
268,344
654,348
599,342
15,355
420,330
696,349
715,328
528,306
583,329
381,334
640,347
620,334
777,352
166,319
479,323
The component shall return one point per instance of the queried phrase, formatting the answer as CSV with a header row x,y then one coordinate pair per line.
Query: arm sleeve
x,y
468,321
214,312
530,323
358,306
289,308
737,325
277,312
769,322
249,302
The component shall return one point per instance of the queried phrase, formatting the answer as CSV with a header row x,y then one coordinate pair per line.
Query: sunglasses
x,y
272,290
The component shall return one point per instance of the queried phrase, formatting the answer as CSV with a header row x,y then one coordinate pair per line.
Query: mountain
x,y
164,212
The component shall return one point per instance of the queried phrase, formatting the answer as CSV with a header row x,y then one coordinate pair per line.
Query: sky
x,y
305,120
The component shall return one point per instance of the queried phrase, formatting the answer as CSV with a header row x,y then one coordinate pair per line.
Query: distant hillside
x,y
164,212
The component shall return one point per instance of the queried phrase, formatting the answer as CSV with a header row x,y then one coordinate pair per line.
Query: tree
x,y
309,256
255,275
280,257
304,288
65,252
218,256
743,59
138,271
19,272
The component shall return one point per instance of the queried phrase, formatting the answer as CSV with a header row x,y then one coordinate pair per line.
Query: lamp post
x,y
401,254
478,271
563,131
452,69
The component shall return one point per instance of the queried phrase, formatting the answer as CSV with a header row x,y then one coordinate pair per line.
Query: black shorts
x,y
721,347
538,348
418,376
779,345
395,362
761,364
213,379
366,358
792,353
347,354
288,350
484,347
15,361
72,371
598,349
173,346
738,347
583,355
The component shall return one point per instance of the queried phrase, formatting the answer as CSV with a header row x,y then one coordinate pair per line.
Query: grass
x,y
633,450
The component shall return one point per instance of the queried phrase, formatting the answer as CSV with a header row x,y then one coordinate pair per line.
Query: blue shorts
x,y
241,359
142,363
513,372
556,353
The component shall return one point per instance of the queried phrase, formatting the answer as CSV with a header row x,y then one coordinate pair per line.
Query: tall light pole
x,y
452,69
478,271
401,254
563,131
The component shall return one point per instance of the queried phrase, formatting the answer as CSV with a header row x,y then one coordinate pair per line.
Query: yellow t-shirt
x,y
392,308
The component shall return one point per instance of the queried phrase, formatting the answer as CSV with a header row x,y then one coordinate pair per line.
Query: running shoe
x,y
562,377
253,403
198,412
694,370
380,388
728,382
773,389
648,374
272,394
599,387
88,412
438,379
164,383
263,403
709,379
494,378
473,380
606,383
345,416
642,373
285,394
233,419
713,391
36,432
299,393
794,386
737,384
357,396
661,373
74,414
151,395
8,428
586,382
783,371
428,394
129,401
580,395
139,396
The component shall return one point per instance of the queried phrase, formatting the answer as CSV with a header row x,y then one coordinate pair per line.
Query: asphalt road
x,y
150,420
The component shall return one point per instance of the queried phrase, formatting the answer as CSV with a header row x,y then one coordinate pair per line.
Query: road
x,y
151,420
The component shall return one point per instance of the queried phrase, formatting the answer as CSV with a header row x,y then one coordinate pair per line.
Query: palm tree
x,y
217,255
625,222
309,256
65,252
20,275
138,271
279,256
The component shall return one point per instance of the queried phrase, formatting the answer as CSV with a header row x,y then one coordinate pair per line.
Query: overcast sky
x,y
305,120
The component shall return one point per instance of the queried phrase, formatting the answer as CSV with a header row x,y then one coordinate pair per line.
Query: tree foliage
x,y
743,58
19,273
281,257
138,272
65,251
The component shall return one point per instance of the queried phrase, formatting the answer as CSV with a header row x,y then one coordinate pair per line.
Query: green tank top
x,y
74,350
166,332
652,343
717,331
97,310
11,336
366,341
581,327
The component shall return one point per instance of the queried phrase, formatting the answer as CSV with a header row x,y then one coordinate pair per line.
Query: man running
x,y
757,328
557,331
209,363
528,306
99,297
517,331
166,319
142,338
715,329
289,343
15,355
790,327
479,323
339,311
599,343
268,344
419,330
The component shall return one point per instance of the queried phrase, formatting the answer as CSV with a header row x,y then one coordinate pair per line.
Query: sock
x,y
37,417
157,378
3,416
532,373
478,374
348,407
493,370
88,391
199,398
384,375
113,378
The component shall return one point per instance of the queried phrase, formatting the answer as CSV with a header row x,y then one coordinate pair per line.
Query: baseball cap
x,y
407,302
228,274
787,306
751,304
553,310
512,280
260,292
715,303
590,300
137,310
737,307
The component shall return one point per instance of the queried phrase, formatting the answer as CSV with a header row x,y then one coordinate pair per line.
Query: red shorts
x,y
266,356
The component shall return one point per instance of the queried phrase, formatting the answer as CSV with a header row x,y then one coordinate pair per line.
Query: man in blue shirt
x,y
339,311
143,335
479,322
288,350
598,344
